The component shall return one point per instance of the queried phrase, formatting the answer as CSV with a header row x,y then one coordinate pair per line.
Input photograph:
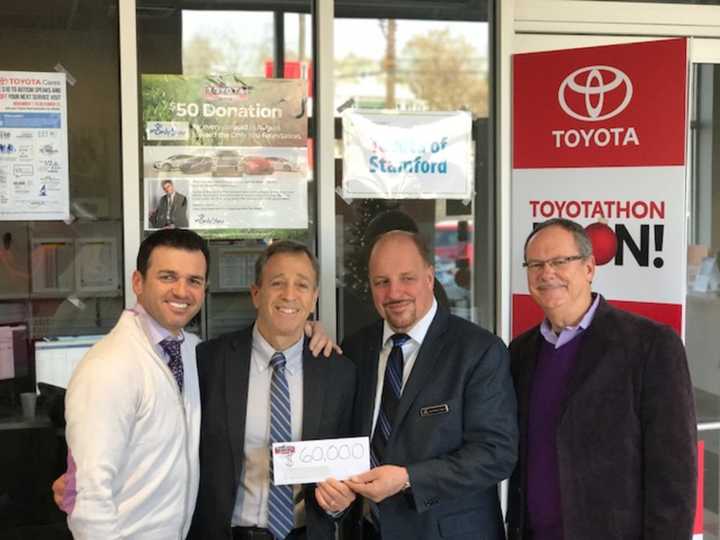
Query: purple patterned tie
x,y
172,348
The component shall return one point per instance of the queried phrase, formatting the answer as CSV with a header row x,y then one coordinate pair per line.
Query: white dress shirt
x,y
168,211
410,351
251,501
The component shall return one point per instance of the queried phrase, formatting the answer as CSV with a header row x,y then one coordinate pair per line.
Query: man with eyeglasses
x,y
605,408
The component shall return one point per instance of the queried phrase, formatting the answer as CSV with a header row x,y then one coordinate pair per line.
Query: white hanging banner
x,y
407,155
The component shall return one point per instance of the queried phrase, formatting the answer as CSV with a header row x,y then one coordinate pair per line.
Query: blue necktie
x,y
172,349
392,388
281,518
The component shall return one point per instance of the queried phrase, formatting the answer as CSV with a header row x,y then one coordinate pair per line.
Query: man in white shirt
x,y
133,406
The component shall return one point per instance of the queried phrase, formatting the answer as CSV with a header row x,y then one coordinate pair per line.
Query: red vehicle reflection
x,y
255,165
453,240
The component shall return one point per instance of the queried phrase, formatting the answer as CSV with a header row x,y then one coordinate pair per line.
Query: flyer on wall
x,y
224,152
33,147
407,155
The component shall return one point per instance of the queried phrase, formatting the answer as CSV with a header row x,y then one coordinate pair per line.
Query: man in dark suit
x,y
436,398
240,374
605,405
172,210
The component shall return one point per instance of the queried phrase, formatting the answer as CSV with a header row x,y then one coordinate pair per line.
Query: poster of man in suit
x,y
170,208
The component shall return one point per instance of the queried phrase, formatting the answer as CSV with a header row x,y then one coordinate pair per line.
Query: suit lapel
x,y
424,366
313,392
524,361
237,373
369,374
526,371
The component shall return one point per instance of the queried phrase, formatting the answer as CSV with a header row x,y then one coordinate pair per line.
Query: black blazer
x,y
627,436
454,459
178,212
223,370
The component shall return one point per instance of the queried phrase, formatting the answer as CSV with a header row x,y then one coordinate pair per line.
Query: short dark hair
x,y
166,182
416,239
390,220
173,238
285,246
582,240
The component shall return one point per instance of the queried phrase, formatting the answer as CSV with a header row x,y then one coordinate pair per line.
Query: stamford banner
x,y
599,138
407,155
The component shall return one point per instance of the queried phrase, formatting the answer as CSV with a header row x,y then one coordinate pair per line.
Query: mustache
x,y
395,302
550,285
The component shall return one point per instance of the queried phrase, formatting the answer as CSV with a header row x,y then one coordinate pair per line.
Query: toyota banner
x,y
599,138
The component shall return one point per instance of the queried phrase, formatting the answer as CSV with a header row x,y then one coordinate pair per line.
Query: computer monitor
x,y
14,358
15,372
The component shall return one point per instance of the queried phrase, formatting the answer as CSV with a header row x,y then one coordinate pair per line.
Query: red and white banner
x,y
700,501
599,138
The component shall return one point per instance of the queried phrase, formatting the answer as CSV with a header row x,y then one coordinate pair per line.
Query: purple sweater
x,y
549,388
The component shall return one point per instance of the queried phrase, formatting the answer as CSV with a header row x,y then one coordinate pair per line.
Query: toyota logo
x,y
599,83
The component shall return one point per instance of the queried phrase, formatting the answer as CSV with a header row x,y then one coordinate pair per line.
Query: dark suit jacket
x,y
223,370
178,212
626,439
454,460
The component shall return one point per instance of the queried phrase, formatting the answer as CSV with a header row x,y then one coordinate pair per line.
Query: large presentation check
x,y
304,462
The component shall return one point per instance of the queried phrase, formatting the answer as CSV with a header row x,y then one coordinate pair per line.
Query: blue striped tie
x,y
280,503
392,388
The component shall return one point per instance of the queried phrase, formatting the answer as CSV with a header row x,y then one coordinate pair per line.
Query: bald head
x,y
401,279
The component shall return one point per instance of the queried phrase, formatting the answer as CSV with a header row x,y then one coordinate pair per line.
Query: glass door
x,y
703,279
412,61
244,164
702,316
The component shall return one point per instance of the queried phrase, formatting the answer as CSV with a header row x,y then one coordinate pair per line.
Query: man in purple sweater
x,y
605,408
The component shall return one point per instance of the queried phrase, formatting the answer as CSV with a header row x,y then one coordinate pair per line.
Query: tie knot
x,y
171,346
399,339
277,361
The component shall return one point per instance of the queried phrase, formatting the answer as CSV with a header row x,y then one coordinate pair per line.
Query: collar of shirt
x,y
417,333
155,332
264,352
569,332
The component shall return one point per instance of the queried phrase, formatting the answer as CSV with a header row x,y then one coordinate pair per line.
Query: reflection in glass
x,y
39,260
703,297
413,66
231,44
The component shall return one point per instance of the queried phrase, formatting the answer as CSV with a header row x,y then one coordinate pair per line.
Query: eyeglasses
x,y
557,263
